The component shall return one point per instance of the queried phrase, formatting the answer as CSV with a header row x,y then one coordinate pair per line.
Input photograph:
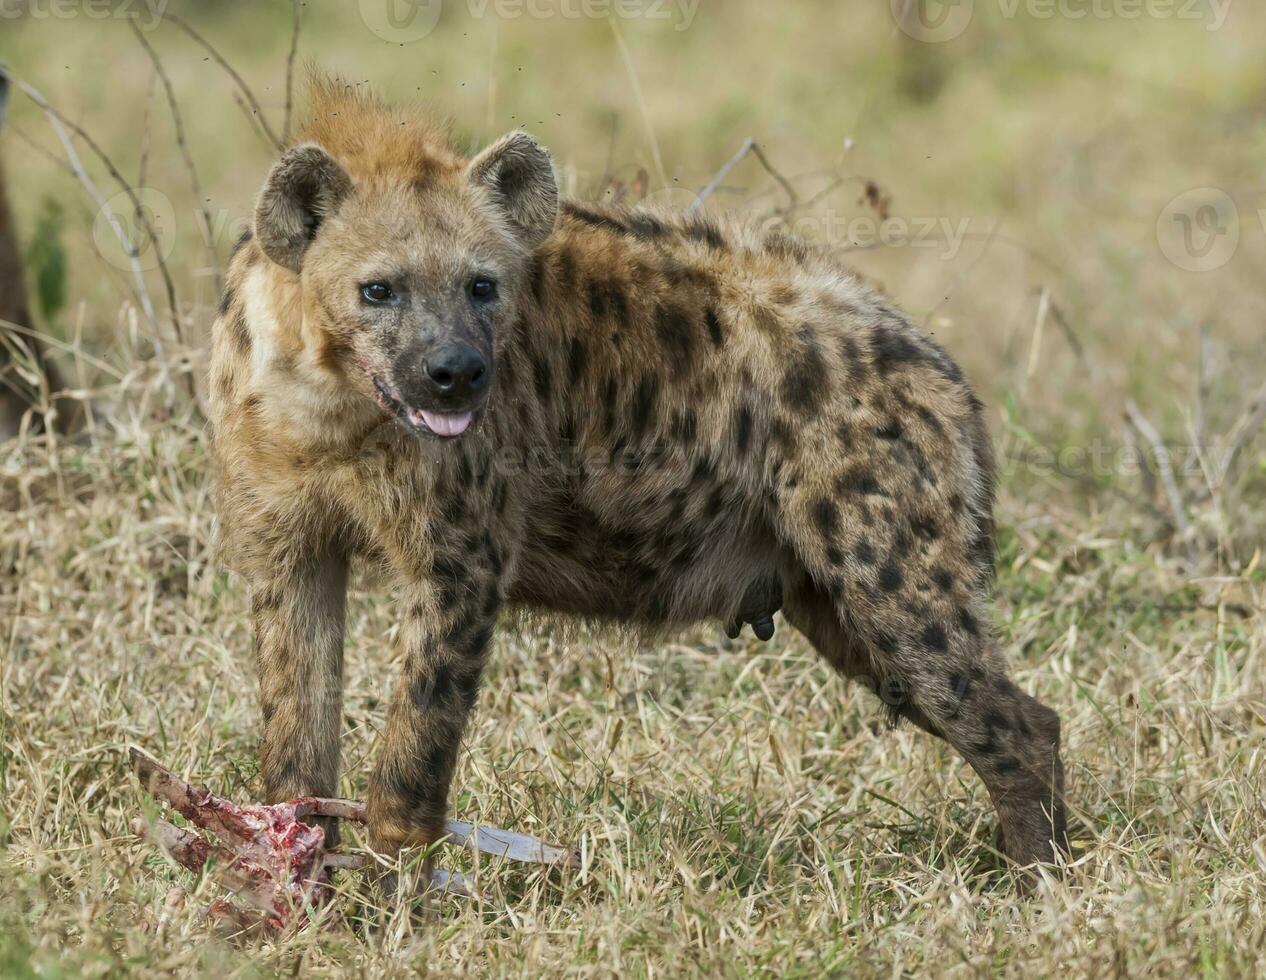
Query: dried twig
x,y
1242,433
1164,466
721,174
60,124
182,143
1203,387
290,70
749,146
641,102
146,132
256,111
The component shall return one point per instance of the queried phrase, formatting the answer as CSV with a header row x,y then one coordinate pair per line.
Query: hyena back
x,y
438,367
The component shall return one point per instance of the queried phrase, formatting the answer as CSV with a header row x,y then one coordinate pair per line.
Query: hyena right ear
x,y
518,175
303,189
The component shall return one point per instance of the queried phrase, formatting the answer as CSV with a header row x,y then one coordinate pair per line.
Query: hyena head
x,y
409,256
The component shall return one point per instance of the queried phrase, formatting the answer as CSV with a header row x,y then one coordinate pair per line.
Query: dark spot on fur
x,y
890,430
242,239
784,295
536,277
714,326
743,429
644,225
240,333
858,480
564,271
592,218
607,301
676,334
226,299
865,553
704,472
776,243
849,353
925,528
701,229
891,348
833,555
805,382
968,622
826,516
542,378
931,421
716,502
890,577
934,637
577,357
644,404
685,426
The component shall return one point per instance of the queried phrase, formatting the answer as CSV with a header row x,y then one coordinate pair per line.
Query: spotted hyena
x,y
434,365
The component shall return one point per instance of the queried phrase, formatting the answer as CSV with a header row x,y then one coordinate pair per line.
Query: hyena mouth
x,y
448,425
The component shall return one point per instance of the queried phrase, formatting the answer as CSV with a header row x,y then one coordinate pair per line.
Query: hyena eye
x,y
483,289
375,292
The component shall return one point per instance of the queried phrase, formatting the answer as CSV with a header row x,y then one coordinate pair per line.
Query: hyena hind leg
x,y
935,665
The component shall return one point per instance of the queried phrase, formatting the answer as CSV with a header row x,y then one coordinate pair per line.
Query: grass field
x,y
740,809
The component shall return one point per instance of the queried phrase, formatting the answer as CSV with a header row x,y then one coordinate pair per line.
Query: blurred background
x,y
1067,194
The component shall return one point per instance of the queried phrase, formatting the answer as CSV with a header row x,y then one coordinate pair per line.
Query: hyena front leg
x,y
298,617
449,620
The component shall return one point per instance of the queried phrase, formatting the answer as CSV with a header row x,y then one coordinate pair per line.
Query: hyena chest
x,y
644,547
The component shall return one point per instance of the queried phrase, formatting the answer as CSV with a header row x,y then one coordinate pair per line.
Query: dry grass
x,y
740,809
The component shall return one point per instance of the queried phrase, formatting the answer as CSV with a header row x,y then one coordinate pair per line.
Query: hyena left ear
x,y
303,189
518,175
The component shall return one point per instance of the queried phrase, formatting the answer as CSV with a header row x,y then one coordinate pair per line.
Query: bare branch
x,y
219,59
182,143
1164,467
290,70
60,125
1244,430
721,174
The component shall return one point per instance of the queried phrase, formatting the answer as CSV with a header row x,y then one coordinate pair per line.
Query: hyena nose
x,y
457,371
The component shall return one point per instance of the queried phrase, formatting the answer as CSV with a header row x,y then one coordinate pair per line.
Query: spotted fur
x,y
688,420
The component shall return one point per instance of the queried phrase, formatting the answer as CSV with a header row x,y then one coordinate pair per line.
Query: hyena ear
x,y
518,175
303,189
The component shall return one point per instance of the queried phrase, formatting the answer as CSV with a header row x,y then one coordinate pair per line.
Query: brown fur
x,y
688,420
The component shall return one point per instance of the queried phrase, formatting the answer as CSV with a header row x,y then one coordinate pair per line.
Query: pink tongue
x,y
446,424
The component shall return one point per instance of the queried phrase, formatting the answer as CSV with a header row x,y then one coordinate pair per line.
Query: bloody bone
x,y
275,862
